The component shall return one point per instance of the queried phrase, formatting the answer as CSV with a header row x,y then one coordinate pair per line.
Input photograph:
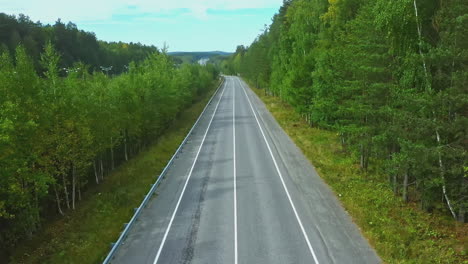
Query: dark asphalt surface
x,y
241,192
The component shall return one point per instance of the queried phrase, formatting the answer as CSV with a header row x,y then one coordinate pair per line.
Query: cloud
x,y
48,11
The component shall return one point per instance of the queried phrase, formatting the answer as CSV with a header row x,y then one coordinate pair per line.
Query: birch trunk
x,y
364,158
125,146
65,190
95,172
419,27
57,198
361,160
102,168
38,217
73,186
442,176
405,187
79,190
112,153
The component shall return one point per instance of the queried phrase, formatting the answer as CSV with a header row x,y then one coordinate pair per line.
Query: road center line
x,y
186,182
281,177
234,159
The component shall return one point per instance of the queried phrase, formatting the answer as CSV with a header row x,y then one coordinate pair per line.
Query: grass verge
x,y
84,235
399,232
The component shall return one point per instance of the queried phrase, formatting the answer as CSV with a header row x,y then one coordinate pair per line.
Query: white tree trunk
x,y
442,176
125,148
79,190
102,168
405,186
57,198
95,172
419,27
65,190
112,153
73,186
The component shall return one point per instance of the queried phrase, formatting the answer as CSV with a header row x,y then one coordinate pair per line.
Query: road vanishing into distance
x,y
240,191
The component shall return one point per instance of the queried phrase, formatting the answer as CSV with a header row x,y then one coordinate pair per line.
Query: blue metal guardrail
x,y
122,236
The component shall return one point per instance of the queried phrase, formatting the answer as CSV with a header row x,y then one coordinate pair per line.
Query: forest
x,y
74,45
390,77
64,131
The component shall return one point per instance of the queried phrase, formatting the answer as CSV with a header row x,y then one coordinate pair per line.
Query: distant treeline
x,y
72,44
62,132
391,77
215,57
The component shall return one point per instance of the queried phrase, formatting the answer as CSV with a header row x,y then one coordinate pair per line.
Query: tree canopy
x,y
72,44
62,131
390,77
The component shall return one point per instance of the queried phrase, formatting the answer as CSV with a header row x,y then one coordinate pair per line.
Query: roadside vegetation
x,y
62,132
389,77
399,231
379,92
84,235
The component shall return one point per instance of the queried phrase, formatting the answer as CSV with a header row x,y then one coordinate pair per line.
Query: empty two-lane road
x,y
240,191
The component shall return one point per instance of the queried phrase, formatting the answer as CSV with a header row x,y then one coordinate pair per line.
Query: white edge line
x,y
186,182
281,177
111,253
234,159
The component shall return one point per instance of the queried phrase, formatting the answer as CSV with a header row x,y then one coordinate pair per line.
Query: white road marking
x,y
186,182
235,185
281,177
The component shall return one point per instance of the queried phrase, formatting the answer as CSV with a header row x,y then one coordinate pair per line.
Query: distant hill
x,y
201,53
194,57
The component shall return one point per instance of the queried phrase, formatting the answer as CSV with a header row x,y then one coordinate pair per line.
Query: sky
x,y
183,25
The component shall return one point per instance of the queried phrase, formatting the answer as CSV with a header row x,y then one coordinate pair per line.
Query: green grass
x,y
84,236
400,232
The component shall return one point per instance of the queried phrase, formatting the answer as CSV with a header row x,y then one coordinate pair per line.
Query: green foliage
x,y
58,134
389,76
83,236
72,44
399,232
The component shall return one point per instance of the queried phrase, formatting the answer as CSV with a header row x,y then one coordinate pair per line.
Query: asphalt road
x,y
241,192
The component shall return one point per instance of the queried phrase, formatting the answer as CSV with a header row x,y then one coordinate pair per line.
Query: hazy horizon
x,y
183,26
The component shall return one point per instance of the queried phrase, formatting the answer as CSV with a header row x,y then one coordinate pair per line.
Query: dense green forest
x,y
390,77
61,132
74,45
